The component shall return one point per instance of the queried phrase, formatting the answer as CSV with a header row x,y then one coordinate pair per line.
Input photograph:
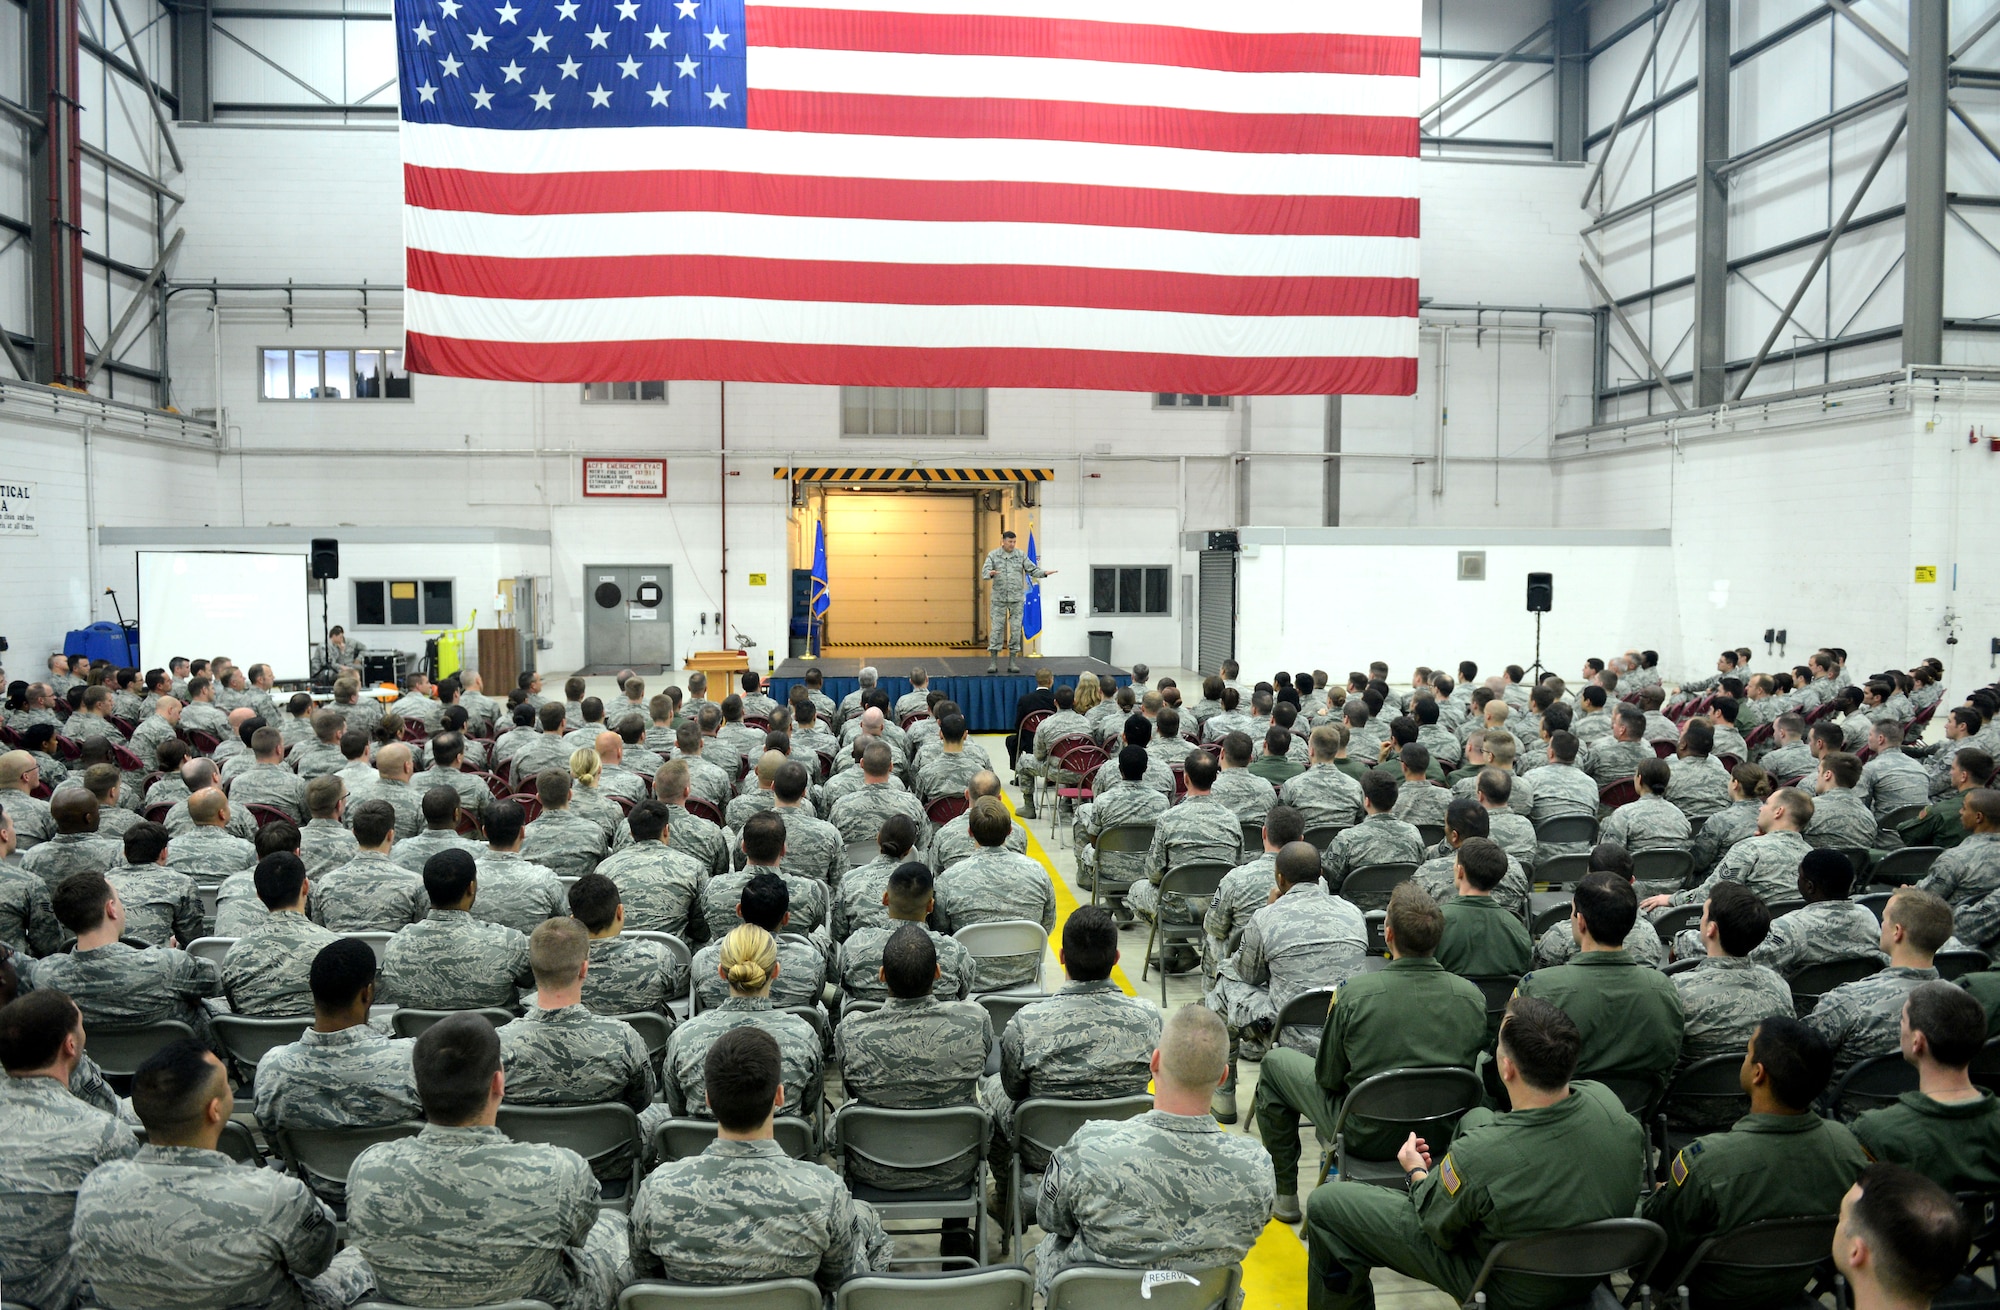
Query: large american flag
x,y
1206,196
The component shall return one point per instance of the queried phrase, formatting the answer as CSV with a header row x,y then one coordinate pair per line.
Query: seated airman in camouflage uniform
x,y
1767,864
1558,944
162,904
1200,830
460,1206
76,846
1247,888
442,808
266,973
907,899
1128,801
452,959
953,842
743,1211
996,885
628,975
1728,994
1380,837
660,884
748,961
1862,1019
117,985
516,888
857,903
1464,820
858,814
765,899
1651,823
1828,926
374,891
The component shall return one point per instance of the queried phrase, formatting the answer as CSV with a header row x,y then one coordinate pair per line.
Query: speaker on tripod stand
x,y
1541,599
324,563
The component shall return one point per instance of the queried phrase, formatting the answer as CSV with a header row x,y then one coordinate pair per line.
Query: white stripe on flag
x,y
943,159
1350,17
885,241
699,318
871,72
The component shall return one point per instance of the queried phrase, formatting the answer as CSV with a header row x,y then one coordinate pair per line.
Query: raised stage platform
x,y
987,699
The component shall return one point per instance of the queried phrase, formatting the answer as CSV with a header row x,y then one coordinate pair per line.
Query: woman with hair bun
x,y
748,963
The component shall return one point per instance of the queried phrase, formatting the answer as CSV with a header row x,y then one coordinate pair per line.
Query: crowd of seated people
x,y
744,914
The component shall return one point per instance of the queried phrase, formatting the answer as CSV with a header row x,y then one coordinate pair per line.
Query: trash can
x,y
1100,645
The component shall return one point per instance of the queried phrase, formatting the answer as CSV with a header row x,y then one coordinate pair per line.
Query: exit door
x,y
628,616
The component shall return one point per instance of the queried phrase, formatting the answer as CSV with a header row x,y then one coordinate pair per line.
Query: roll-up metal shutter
x,y
1215,640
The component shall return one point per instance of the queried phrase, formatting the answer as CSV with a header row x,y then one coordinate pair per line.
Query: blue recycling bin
x,y
104,640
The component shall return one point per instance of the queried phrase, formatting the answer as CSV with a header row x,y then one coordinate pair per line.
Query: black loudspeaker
x,y
325,557
1541,592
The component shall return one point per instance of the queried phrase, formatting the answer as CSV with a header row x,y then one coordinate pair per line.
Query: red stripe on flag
x,y
907,284
664,191
756,361
1066,120
1054,38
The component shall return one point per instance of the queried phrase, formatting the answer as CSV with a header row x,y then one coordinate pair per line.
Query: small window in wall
x,y
1131,590
612,391
334,373
397,603
913,411
1185,400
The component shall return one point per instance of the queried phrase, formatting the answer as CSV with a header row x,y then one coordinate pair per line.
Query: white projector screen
x,y
250,607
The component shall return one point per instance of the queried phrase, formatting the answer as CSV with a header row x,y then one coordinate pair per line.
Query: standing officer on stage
x,y
1009,571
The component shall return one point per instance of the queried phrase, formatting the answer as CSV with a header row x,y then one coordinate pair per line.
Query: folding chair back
x,y
120,1051
1368,887
1096,1287
407,1022
1119,839
247,1040
1498,989
1431,833
910,1139
330,1153
211,948
1662,865
1567,828
1547,909
1592,1252
235,1142
1708,1089
946,808
1877,902
776,1294
1046,1122
1986,1065
681,1139
1871,1084
1306,1010
1321,837
1622,792
861,852
1006,938
1769,1246
1816,980
702,809
1396,1103
886,1154
377,940
1001,1007
1953,965
1192,881
1674,918
995,1287
267,814
605,1134
653,1029
1252,839
378,1304
1639,1093
1901,867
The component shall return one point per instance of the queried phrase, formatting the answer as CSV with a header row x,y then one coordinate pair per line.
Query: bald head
x,y
610,747
239,716
768,765
393,762
168,708
14,766
198,773
984,783
871,722
208,807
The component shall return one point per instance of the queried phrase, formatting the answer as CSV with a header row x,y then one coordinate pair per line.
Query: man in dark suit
x,y
1041,699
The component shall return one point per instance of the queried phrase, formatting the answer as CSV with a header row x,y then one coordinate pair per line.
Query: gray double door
x,y
628,616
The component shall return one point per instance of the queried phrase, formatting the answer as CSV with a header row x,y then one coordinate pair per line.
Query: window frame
x,y
353,354
869,407
1144,571
1200,402
665,396
388,613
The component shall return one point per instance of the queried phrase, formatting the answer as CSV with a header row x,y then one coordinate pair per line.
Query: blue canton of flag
x,y
527,64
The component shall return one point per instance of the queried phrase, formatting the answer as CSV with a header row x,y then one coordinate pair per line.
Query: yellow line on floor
x,y
1274,1273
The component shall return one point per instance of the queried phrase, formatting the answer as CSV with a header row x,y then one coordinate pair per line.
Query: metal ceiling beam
x,y
1638,342
1924,185
1572,68
1826,248
140,299
136,176
1979,133
1874,33
146,83
1613,217
1882,99
1479,75
1711,207
193,58
1972,38
1618,124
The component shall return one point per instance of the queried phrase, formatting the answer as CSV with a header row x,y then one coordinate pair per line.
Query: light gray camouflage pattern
x,y
237,909
596,805
1159,777
1734,823
456,1214
565,842
1328,797
1245,890
801,976
451,960
1306,939
570,1056
27,920
953,842
178,1228
474,796
1818,932
993,885
1862,1018
147,739
273,785
241,822
631,975
814,848
210,854
1840,819
1419,803
1700,785
745,807
120,986
1766,864
325,845
370,893
857,902
1558,945
72,852
1087,1042
799,1052
1723,999
745,1211
1200,830
1247,796
918,1054
858,816
720,895
268,972
1125,803
942,774
1612,760
1159,1191
354,1078
1377,839
49,1142
1650,823
411,853
405,799
1438,877
318,761
1967,872
1514,833
860,963
662,888
517,892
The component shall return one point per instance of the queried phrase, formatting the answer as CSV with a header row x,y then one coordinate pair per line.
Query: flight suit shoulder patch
x,y
1684,1162
1448,1175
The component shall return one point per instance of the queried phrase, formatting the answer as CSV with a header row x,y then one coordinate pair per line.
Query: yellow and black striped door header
x,y
911,475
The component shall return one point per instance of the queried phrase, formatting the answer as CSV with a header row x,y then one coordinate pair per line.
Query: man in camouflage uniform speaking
x,y
1008,570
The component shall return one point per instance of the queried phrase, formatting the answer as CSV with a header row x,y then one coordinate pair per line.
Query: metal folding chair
x,y
1007,938
1194,881
1368,887
1046,1123
775,1294
211,948
1816,980
1566,829
911,1140
1119,839
605,1133
682,1139
1098,1287
1594,1252
1797,1245
248,1040
992,1287
1871,1084
406,1022
1427,1102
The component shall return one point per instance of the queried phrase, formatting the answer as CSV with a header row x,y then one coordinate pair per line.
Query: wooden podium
x,y
499,660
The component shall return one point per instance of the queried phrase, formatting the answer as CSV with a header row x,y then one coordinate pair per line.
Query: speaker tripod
x,y
1535,670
